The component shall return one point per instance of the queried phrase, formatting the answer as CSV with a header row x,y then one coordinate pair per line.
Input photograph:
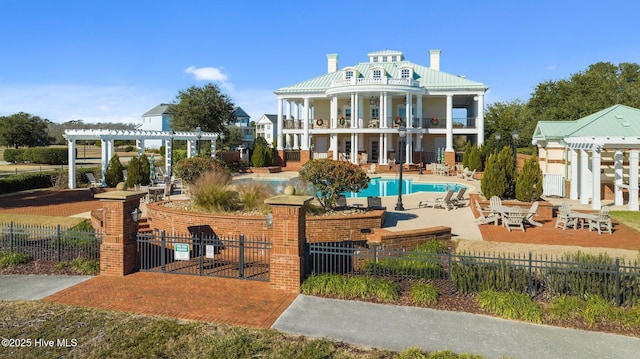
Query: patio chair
x,y
462,173
495,202
93,183
372,169
375,203
601,222
563,218
528,219
444,202
459,199
513,219
469,175
486,215
168,187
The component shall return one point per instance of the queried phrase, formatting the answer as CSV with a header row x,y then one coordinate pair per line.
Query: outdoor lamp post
x,y
221,142
498,137
422,131
514,135
402,131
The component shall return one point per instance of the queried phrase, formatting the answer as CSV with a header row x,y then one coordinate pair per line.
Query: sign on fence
x,y
210,251
181,251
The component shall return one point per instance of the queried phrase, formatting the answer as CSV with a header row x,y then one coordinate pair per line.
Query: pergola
x,y
108,136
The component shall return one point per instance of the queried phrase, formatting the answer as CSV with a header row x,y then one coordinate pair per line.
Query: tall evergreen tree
x,y
114,175
134,172
145,170
529,181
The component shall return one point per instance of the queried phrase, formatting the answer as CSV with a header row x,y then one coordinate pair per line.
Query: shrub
x,y
566,307
510,305
358,287
424,294
212,192
46,155
10,259
134,172
529,181
14,155
81,266
190,169
329,178
423,262
253,194
470,276
262,154
114,175
129,149
25,181
499,175
145,170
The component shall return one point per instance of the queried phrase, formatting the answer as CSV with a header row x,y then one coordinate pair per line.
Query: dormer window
x,y
393,58
348,75
375,59
405,73
377,74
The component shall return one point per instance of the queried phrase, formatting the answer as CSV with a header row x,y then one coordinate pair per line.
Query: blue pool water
x,y
380,187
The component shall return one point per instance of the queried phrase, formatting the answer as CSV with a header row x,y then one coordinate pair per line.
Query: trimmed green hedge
x,y
14,155
25,181
46,155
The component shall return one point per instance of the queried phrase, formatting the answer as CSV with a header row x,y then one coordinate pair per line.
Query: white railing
x,y
372,81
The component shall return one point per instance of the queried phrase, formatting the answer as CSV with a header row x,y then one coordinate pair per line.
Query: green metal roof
x,y
617,120
425,76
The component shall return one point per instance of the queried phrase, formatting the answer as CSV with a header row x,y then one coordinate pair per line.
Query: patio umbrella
x,y
152,168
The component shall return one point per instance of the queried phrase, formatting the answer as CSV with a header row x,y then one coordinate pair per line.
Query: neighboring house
x,y
156,119
596,155
159,119
358,109
266,127
243,123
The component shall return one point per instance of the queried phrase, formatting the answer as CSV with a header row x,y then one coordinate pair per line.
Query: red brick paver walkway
x,y
219,300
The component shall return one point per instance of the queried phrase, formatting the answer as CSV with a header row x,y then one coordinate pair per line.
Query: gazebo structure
x,y
598,154
107,137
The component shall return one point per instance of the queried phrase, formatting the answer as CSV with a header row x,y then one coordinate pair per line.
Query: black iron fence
x,y
50,243
205,254
466,273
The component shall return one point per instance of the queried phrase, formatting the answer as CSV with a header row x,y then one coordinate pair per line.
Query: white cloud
x,y
552,67
210,74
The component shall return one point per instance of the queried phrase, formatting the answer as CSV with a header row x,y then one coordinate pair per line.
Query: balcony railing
x,y
391,122
372,81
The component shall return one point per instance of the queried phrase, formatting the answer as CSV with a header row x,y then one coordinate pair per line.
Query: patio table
x,y
581,218
501,211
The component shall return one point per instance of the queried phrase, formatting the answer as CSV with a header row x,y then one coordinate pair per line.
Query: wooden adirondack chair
x,y
602,221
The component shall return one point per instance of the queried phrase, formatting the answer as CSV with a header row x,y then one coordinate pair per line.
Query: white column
x,y
289,109
595,168
617,187
419,111
575,178
584,172
480,118
354,110
279,138
360,111
168,155
354,153
305,125
296,145
105,159
334,112
408,148
633,180
382,147
383,110
72,163
449,141
287,141
333,143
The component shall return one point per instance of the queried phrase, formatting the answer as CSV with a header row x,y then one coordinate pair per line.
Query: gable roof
x,y
615,124
161,109
240,112
426,77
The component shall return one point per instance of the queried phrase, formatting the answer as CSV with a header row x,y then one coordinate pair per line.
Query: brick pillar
x,y
288,241
450,158
118,251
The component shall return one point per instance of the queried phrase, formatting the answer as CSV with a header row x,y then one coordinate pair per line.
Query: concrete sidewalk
x,y
398,328
35,287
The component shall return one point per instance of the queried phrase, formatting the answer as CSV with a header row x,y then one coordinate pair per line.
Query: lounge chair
x,y
459,200
486,215
341,202
513,219
469,175
528,219
602,221
372,169
93,183
463,173
444,202
375,203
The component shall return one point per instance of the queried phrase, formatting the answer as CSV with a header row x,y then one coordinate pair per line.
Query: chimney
x,y
332,62
434,58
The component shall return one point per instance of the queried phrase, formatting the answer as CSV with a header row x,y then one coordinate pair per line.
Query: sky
x,y
111,61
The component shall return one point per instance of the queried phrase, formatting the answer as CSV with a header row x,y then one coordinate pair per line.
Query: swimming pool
x,y
379,187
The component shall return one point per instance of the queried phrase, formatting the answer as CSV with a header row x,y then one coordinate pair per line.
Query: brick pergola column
x,y
288,242
118,251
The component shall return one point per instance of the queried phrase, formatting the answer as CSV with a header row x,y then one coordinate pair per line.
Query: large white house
x,y
353,113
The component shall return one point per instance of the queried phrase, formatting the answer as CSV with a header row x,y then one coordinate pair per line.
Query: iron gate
x,y
205,254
